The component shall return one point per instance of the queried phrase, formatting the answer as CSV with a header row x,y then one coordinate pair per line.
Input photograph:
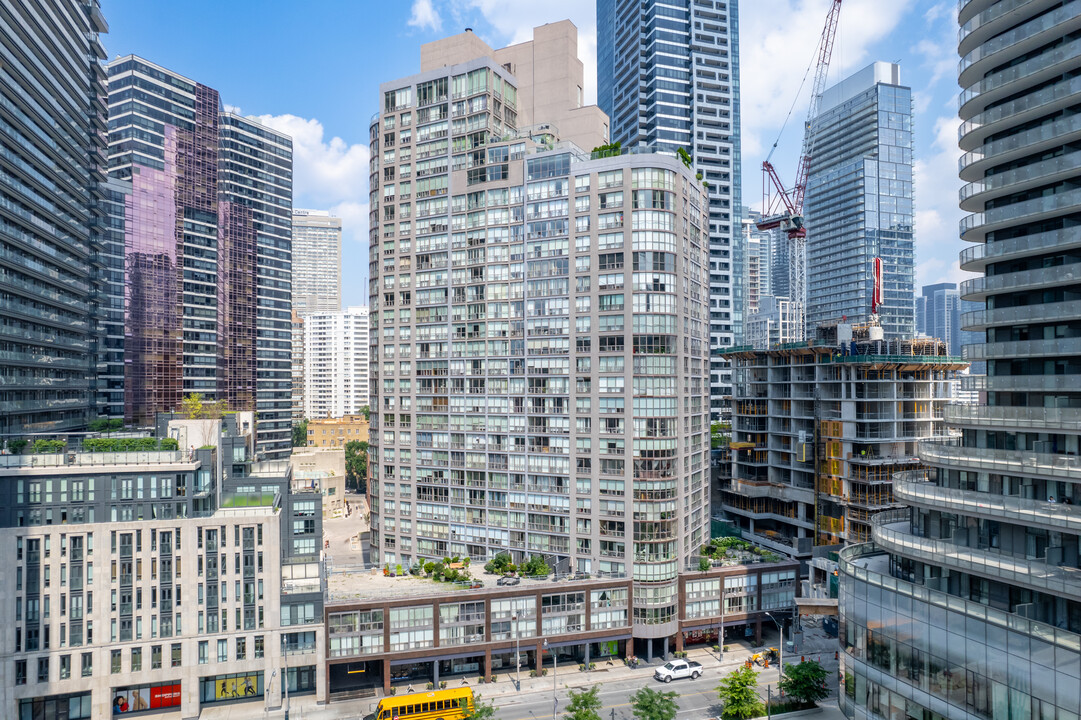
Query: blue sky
x,y
313,70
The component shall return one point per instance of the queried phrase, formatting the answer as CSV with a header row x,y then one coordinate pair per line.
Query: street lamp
x,y
555,666
266,693
780,632
517,651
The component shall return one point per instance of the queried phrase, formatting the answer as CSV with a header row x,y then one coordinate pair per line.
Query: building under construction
x,y
820,427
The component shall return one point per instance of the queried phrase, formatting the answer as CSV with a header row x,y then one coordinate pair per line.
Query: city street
x,y
698,698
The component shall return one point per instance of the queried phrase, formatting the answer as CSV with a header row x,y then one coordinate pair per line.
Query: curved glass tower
x,y
968,604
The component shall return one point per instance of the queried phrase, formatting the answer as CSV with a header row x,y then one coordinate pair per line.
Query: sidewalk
x,y
569,677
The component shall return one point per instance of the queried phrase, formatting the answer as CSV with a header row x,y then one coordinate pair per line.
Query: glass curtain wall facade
x,y
163,132
52,133
668,76
969,603
111,278
208,251
539,330
859,203
255,281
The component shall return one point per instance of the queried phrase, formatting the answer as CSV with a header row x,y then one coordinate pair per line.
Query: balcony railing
x,y
1035,418
859,562
891,531
1005,462
914,488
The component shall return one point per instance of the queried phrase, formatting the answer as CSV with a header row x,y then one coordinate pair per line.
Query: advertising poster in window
x,y
236,687
145,697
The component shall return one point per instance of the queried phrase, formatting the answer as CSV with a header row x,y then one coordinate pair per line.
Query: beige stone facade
x,y
337,432
549,78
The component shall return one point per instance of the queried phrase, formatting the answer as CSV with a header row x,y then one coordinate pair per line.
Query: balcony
x,y
979,320
1022,463
979,288
999,85
869,565
1027,383
974,227
1017,41
975,194
1027,349
892,532
1040,418
913,488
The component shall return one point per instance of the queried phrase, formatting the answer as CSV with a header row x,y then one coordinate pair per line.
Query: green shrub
x,y
17,446
48,446
143,444
500,564
535,566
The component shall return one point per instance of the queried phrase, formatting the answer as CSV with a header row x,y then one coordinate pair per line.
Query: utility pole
x,y
517,652
555,666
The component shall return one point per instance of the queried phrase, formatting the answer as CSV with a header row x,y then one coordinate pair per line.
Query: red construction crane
x,y
783,208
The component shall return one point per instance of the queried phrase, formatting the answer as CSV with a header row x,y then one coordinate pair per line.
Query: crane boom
x,y
825,54
783,208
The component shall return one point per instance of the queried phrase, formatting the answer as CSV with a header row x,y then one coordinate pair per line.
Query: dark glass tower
x,y
668,76
208,250
52,135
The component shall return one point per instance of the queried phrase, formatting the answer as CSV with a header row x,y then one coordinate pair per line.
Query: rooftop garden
x,y
733,551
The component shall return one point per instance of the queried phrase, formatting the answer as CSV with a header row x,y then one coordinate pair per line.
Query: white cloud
x,y
938,214
774,56
424,16
513,22
331,174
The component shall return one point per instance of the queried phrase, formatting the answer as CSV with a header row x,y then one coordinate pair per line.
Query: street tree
x,y
300,433
739,693
481,710
805,681
356,464
648,704
584,705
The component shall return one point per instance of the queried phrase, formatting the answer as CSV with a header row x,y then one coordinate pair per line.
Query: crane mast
x,y
783,208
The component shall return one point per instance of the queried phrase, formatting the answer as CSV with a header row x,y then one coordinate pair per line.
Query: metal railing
x,y
914,487
891,530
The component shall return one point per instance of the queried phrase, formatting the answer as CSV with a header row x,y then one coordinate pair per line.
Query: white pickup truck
x,y
678,669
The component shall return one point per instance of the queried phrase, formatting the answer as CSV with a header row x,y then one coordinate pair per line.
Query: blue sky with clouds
x,y
313,70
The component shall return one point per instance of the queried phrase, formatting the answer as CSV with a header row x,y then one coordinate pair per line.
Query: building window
x,y
88,664
65,667
241,648
43,669
155,657
258,646
136,660
203,651
114,662
176,655
223,650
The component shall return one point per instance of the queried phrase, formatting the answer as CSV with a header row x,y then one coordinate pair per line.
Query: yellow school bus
x,y
451,704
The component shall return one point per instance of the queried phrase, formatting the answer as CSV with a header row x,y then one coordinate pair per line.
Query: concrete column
x,y
487,670
435,673
758,631
679,641
665,655
538,658
649,650
386,676
587,654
